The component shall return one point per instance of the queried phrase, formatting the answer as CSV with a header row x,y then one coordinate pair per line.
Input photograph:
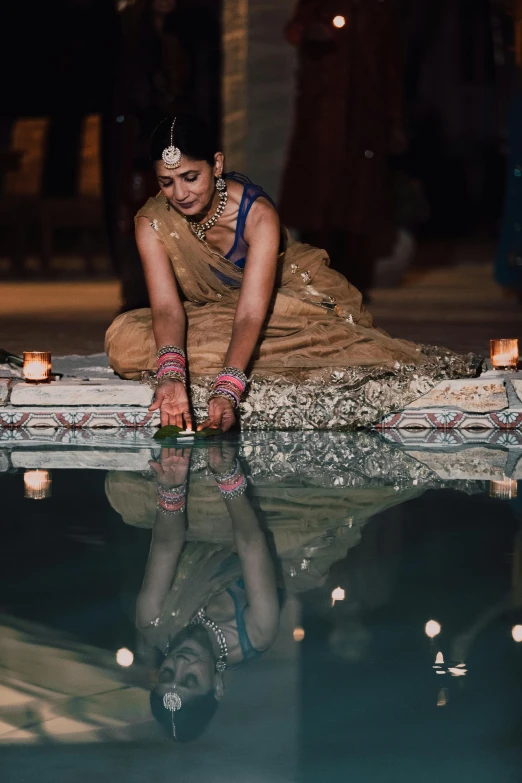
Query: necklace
x,y
200,229
202,619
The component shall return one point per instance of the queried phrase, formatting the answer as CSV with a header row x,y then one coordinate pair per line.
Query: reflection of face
x,y
189,666
190,188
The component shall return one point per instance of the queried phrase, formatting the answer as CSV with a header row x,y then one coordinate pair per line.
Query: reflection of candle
x,y
338,21
504,354
338,595
37,366
37,484
503,490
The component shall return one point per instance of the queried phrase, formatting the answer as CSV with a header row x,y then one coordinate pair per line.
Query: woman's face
x,y
191,187
189,668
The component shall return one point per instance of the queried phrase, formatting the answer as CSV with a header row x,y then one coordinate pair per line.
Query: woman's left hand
x,y
221,415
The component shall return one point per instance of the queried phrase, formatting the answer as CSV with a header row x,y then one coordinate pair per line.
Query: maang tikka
x,y
171,155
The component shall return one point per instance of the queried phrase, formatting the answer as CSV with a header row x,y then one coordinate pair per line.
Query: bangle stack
x,y
230,384
232,484
172,501
172,363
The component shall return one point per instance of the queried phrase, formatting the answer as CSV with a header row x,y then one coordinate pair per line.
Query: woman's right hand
x,y
172,400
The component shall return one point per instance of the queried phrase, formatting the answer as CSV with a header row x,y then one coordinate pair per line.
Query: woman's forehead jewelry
x,y
171,155
172,701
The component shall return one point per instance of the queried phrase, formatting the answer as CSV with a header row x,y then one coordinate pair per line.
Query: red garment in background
x,y
349,96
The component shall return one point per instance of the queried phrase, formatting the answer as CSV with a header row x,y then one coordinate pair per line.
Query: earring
x,y
221,184
167,204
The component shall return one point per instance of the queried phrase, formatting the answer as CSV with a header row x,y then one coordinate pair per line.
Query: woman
x,y
254,300
210,551
206,607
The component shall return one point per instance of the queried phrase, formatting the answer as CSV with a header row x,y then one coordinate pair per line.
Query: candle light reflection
x,y
37,484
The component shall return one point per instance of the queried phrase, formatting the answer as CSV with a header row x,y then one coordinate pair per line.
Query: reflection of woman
x,y
255,299
207,608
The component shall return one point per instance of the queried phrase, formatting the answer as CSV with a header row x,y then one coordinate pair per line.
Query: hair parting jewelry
x,y
172,702
171,155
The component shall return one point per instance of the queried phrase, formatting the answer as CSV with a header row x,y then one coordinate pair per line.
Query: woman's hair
x,y
190,721
192,136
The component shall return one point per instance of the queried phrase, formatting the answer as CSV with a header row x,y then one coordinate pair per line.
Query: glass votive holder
x,y
37,366
506,489
37,484
504,354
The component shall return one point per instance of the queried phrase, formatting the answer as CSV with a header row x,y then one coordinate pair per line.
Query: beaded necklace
x,y
200,229
202,619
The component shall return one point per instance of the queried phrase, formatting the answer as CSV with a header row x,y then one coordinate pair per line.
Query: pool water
x,y
399,609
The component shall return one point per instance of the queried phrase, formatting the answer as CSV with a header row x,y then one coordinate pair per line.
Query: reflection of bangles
x,y
221,477
172,501
233,486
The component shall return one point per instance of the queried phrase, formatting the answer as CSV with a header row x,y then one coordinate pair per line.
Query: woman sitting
x,y
232,293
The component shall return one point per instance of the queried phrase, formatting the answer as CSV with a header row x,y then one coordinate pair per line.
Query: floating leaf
x,y
164,433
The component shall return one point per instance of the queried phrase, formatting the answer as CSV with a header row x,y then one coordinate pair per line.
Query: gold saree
x,y
318,350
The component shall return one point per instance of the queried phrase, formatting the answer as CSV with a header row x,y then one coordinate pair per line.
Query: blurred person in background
x,y
350,102
508,264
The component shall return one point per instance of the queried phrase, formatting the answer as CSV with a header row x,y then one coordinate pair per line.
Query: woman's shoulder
x,y
151,208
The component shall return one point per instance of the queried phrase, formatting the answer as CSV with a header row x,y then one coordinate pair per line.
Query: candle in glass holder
x,y
37,484
37,366
503,490
504,354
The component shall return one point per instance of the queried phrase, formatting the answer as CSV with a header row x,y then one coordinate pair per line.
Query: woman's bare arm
x,y
168,314
169,321
262,233
257,566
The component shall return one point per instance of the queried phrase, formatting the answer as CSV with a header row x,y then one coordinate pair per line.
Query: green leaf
x,y
209,432
164,433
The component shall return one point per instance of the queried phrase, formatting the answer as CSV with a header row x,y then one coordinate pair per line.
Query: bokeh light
x,y
338,21
124,657
299,634
432,629
516,633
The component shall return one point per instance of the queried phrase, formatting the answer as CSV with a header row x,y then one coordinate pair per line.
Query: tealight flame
x,y
37,484
432,629
299,634
338,595
339,22
124,657
37,366
516,633
439,659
